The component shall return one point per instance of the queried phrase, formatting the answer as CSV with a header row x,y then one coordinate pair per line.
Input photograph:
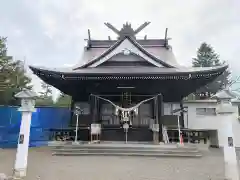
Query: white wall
x,y
213,123
210,122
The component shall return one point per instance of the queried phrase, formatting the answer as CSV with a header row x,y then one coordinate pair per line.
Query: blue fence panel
x,y
9,115
43,119
53,117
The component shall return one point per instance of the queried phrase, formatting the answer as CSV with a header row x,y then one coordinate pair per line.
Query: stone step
x,y
125,147
170,150
126,150
196,155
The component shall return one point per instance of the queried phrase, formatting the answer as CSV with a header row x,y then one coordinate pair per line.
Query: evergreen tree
x,y
45,98
207,57
13,77
46,90
63,100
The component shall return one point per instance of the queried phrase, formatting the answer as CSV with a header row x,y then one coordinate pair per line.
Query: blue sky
x,y
51,32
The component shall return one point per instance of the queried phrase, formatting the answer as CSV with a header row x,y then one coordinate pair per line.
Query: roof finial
x,y
140,28
89,38
166,38
127,29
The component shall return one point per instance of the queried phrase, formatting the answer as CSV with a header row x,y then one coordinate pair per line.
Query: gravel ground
x,y
42,165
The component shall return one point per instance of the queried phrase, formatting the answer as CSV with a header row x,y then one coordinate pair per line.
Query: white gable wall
x,y
122,58
126,44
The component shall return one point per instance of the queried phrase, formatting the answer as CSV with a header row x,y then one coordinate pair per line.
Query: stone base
x,y
19,173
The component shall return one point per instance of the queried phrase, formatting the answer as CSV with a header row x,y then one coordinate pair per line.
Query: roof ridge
x,y
139,46
136,44
111,48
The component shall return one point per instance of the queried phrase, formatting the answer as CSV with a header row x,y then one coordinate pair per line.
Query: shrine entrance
x,y
130,121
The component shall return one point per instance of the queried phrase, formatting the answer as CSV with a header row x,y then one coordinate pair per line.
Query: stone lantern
x,y
226,111
27,107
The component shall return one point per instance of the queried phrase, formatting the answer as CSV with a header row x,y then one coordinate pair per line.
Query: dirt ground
x,y
42,165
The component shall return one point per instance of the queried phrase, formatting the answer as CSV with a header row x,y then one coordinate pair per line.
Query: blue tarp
x,y
43,119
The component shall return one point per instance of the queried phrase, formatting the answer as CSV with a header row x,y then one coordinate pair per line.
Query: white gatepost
x,y
225,111
27,107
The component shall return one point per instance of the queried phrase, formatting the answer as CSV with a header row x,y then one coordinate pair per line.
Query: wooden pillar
x,y
181,114
153,109
92,103
160,114
154,116
157,114
98,110
72,112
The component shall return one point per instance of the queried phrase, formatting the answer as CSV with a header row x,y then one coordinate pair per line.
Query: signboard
x,y
95,129
21,139
230,141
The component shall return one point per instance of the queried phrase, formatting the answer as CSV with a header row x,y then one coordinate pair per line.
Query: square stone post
x,y
225,111
27,107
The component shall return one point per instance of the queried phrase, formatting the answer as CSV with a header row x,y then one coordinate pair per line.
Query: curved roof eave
x,y
114,70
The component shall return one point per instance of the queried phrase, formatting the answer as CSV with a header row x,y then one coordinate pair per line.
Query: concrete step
x,y
154,151
123,147
171,150
196,155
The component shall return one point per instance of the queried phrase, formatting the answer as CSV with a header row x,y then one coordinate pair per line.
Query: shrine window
x,y
206,111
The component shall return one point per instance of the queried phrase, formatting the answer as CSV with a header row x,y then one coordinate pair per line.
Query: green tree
x,y
13,77
46,90
45,98
47,101
63,100
207,57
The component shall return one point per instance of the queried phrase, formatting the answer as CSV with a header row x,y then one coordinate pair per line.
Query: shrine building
x,y
127,71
